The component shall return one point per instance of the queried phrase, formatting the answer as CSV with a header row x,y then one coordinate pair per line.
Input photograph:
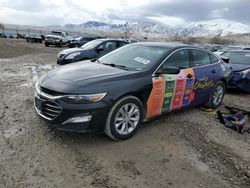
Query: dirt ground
x,y
185,149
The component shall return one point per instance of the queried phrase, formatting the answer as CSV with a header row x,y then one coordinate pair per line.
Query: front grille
x,y
51,38
47,108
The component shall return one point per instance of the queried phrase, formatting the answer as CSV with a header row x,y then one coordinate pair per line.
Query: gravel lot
x,y
185,149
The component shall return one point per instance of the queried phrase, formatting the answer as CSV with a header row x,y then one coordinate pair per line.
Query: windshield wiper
x,y
115,65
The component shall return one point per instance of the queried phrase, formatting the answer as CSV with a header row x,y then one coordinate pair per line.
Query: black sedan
x,y
79,41
90,50
139,81
240,63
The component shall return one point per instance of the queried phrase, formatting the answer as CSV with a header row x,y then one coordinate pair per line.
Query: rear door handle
x,y
189,76
213,71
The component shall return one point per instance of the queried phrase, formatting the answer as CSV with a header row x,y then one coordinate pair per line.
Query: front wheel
x,y
217,95
124,118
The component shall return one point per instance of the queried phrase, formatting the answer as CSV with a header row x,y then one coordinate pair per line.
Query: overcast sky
x,y
59,12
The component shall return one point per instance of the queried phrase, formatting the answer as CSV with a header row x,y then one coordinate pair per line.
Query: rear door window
x,y
199,58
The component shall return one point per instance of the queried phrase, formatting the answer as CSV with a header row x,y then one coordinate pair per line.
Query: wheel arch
x,y
224,81
142,96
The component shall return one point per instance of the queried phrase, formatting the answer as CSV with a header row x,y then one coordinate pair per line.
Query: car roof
x,y
120,40
167,44
247,51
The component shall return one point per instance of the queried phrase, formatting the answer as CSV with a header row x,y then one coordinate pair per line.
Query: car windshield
x,y
91,44
135,57
238,57
56,33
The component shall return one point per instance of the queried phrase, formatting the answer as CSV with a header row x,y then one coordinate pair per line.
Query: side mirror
x,y
225,59
169,70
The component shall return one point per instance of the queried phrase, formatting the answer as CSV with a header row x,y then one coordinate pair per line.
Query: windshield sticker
x,y
142,60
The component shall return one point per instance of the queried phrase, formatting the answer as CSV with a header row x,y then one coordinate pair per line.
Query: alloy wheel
x,y
127,118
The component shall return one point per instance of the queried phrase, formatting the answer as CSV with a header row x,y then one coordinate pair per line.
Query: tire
x,y
60,44
217,95
119,123
46,44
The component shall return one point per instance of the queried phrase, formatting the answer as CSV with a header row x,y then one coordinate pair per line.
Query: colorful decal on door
x,y
171,92
204,84
155,100
179,91
189,93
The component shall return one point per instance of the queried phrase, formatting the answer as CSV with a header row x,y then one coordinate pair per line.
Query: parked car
x,y
33,38
58,38
136,82
79,41
240,63
212,47
228,48
90,50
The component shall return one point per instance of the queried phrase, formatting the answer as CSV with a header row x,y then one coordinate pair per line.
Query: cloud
x,y
199,10
46,12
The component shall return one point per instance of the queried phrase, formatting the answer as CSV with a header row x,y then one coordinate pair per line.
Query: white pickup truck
x,y
58,38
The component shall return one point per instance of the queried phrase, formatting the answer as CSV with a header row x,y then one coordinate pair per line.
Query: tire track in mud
x,y
228,165
95,174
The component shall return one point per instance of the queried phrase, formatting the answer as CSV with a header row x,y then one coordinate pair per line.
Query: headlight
x,y
83,99
245,72
73,55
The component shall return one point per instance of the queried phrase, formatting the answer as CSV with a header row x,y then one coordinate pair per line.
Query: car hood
x,y
84,76
68,51
239,67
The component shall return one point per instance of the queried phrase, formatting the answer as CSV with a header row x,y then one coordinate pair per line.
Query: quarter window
x,y
200,58
120,44
213,59
179,59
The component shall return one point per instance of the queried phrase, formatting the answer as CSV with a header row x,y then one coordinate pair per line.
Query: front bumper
x,y
57,114
54,42
240,83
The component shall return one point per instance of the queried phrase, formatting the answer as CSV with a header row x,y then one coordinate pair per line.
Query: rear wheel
x,y
217,95
124,118
46,44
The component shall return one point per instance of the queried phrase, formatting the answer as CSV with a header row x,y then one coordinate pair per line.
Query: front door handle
x,y
213,71
189,76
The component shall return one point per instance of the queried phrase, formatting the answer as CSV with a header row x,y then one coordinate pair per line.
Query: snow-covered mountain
x,y
209,28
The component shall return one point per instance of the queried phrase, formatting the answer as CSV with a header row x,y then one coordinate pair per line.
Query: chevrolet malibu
x,y
134,83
